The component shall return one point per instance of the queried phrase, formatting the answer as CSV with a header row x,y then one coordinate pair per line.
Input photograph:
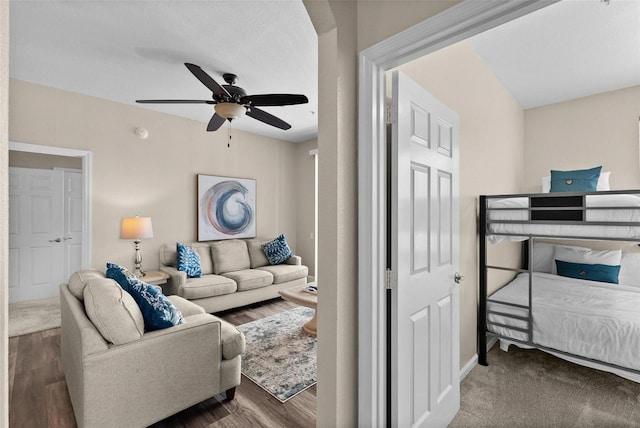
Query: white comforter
x,y
586,318
559,229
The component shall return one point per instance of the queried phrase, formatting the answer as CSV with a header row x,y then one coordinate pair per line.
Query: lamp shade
x,y
136,228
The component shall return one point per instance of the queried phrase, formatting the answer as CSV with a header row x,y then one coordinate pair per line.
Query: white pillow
x,y
630,269
603,182
543,256
571,255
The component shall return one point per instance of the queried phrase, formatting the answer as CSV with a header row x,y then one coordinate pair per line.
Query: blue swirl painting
x,y
226,208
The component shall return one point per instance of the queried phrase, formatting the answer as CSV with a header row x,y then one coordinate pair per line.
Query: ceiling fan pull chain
x,y
229,133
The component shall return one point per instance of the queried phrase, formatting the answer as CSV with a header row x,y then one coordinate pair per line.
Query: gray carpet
x,y
34,315
529,388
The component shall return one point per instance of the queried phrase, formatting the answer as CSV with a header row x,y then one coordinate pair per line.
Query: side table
x,y
155,277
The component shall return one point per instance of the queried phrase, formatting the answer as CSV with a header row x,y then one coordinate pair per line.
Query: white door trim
x,y
85,155
453,25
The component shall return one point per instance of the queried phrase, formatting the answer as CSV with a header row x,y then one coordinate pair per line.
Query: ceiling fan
x,y
231,102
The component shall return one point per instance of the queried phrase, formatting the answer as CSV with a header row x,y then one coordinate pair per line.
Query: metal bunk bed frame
x,y
568,208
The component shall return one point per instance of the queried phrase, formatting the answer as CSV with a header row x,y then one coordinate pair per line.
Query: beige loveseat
x,y
235,273
118,375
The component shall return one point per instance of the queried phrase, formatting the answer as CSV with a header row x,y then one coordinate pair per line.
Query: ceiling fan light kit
x,y
232,102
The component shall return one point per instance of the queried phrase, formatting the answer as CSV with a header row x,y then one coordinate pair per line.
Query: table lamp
x,y
136,228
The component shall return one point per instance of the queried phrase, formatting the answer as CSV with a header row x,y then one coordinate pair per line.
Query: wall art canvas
x,y
226,208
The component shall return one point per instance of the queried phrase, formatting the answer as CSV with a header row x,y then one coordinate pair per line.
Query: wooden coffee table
x,y
300,297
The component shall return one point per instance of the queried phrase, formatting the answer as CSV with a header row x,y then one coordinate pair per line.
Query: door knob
x,y
67,238
458,278
55,240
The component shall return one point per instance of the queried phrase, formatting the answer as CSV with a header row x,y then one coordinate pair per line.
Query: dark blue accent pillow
x,y
158,311
188,261
277,251
594,272
580,180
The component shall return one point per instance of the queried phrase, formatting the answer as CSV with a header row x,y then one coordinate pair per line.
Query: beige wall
x,y
491,155
4,211
583,133
155,177
305,203
42,161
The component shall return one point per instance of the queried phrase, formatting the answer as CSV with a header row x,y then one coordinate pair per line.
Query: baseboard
x,y
464,371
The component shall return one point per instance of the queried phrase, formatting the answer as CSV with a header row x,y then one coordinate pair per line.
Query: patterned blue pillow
x,y
592,272
277,251
158,312
188,261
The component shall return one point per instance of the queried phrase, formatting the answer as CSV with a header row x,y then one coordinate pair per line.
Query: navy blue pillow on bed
x,y
595,272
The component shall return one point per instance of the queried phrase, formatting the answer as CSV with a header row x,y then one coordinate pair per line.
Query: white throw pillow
x,y
603,182
543,256
630,269
571,255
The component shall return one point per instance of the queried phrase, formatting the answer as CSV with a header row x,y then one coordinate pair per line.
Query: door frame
x,y
85,156
455,24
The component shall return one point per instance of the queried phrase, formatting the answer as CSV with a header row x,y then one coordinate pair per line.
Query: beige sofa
x,y
235,273
118,375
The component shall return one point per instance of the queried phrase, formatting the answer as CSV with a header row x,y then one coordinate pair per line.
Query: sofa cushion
x,y
188,261
286,273
113,311
207,286
79,279
158,312
256,253
277,251
185,307
249,279
233,343
204,251
229,256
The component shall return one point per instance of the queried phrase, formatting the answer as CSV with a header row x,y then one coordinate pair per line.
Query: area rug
x,y
280,355
34,315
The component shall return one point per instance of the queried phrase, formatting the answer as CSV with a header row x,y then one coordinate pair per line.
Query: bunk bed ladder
x,y
482,283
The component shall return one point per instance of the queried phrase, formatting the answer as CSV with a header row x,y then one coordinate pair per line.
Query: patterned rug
x,y
280,356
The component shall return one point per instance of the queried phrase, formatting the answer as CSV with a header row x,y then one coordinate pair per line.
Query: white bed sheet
x,y
586,318
559,229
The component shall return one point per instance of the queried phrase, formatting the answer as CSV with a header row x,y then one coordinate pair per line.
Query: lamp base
x,y
138,260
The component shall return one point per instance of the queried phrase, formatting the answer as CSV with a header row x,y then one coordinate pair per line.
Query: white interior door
x,y
73,210
36,227
425,314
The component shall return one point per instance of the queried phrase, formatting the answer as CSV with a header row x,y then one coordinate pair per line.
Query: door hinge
x,y
387,114
388,279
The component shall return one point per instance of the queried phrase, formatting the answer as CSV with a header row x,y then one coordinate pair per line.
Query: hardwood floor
x,y
38,396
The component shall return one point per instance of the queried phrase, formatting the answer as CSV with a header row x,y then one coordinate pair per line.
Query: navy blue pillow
x,y
188,261
158,311
277,251
594,272
580,180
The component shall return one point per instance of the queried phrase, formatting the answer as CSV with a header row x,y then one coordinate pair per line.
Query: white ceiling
x,y
128,50
568,50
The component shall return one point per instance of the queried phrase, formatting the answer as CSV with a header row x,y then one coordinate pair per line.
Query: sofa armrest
x,y
177,279
294,260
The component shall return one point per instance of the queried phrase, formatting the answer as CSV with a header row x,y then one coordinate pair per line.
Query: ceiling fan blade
x,y
176,101
267,118
215,123
275,99
207,80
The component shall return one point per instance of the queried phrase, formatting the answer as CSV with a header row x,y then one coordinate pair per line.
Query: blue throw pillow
x,y
277,251
581,180
592,272
158,311
188,261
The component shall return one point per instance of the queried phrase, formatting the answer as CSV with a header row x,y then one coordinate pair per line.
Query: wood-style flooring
x,y
38,396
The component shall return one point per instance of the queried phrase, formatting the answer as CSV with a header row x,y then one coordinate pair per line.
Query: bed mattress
x,y
606,212
586,318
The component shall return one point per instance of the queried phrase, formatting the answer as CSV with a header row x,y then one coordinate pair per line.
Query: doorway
x,y
453,25
50,187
